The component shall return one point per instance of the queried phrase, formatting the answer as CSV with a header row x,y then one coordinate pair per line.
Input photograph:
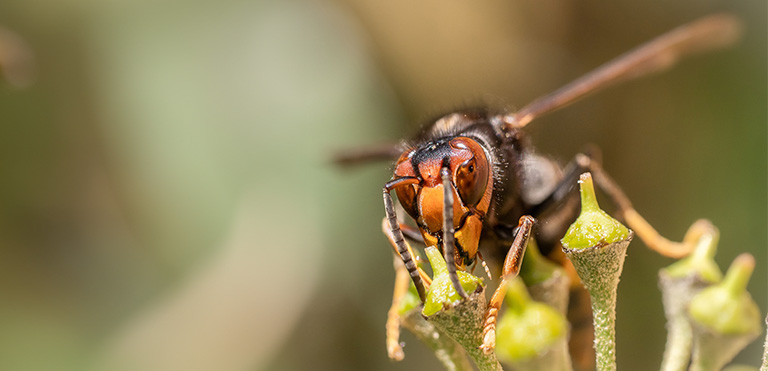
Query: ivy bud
x,y
441,291
531,335
594,227
727,308
724,317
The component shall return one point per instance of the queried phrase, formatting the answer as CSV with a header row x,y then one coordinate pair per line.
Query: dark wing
x,y
709,33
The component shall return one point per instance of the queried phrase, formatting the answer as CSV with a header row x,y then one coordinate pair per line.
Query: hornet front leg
x,y
396,236
510,270
449,240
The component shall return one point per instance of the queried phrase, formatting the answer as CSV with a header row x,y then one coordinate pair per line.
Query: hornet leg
x,y
402,281
403,250
449,241
409,233
510,270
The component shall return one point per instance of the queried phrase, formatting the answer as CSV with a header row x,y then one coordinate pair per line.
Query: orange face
x,y
471,179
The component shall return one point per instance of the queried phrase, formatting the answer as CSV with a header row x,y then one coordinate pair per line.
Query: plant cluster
x,y
710,317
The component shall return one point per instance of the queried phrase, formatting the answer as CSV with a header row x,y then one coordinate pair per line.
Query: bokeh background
x,y
168,201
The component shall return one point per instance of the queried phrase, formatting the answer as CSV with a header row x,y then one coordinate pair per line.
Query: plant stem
x,y
599,269
712,351
463,322
676,293
677,352
679,341
448,352
679,283
604,312
553,292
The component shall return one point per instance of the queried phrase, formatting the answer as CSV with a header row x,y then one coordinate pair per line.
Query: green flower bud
x,y
442,291
527,329
701,262
594,227
724,318
727,308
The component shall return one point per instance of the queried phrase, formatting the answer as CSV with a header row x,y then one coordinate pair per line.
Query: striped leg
x,y
510,270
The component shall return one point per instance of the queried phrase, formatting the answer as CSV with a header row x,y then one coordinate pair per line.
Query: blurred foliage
x,y
168,201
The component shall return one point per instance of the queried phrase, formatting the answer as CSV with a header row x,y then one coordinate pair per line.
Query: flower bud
x,y
441,291
594,227
531,335
724,317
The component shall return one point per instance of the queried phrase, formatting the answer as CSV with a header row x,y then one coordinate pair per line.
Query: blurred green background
x,y
168,203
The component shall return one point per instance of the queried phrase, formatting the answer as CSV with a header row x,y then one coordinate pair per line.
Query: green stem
x,y
599,269
604,312
463,322
676,294
553,292
484,362
679,341
708,354
448,352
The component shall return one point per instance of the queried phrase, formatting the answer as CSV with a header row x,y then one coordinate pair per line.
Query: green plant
x,y
709,320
